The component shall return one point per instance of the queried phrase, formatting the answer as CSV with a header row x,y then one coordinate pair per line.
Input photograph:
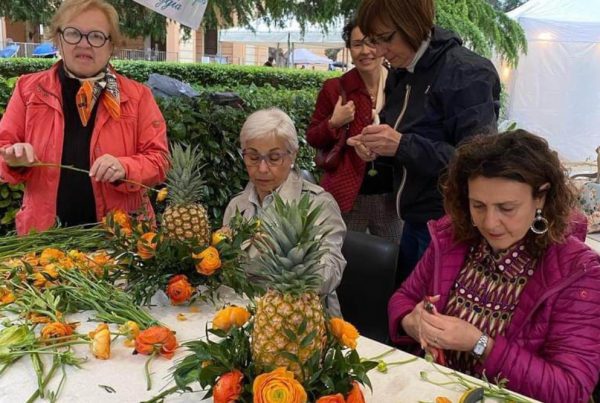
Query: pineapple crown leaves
x,y
290,247
184,179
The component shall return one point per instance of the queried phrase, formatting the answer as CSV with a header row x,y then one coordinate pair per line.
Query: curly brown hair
x,y
516,155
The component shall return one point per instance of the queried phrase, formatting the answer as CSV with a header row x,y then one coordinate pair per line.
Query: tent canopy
x,y
555,90
266,35
305,56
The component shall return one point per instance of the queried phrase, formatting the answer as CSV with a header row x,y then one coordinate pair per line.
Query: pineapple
x,y
290,318
185,218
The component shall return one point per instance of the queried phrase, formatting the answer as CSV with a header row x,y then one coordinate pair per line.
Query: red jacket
x,y
551,348
344,183
138,139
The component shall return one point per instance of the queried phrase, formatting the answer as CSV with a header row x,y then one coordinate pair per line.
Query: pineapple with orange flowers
x,y
185,218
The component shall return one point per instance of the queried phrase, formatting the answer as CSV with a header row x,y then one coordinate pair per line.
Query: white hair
x,y
270,122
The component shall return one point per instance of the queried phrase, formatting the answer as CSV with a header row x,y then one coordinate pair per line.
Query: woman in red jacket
x,y
344,107
81,113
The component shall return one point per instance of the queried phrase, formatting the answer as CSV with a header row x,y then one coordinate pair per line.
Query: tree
x,y
483,27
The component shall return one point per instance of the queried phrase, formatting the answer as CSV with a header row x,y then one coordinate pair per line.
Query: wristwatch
x,y
480,346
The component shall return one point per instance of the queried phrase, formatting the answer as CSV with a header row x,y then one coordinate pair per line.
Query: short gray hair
x,y
270,122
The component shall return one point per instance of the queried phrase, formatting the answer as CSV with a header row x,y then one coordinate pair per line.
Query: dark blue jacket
x,y
452,94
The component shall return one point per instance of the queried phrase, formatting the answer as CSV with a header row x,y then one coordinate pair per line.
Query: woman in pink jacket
x,y
81,113
506,287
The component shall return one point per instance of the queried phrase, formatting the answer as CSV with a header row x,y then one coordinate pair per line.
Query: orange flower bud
x,y
162,195
56,329
228,388
355,395
146,245
230,316
344,332
179,289
156,338
6,296
100,345
209,261
221,235
337,398
279,382
442,399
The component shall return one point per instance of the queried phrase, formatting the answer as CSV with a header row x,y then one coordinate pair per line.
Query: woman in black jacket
x,y
437,94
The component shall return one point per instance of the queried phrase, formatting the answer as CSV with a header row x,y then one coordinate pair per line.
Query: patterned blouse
x,y
486,292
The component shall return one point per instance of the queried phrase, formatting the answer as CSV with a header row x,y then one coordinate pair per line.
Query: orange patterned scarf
x,y
91,89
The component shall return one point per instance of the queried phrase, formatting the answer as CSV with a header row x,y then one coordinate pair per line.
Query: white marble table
x,y
124,372
593,241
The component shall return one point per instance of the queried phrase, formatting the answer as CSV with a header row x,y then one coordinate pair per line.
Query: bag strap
x,y
346,128
342,92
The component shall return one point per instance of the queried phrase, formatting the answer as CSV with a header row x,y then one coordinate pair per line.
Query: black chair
x,y
368,283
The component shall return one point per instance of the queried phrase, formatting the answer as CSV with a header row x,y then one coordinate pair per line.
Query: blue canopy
x,y
9,51
44,49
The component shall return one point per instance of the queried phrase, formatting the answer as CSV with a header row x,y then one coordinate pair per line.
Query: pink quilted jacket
x,y
551,350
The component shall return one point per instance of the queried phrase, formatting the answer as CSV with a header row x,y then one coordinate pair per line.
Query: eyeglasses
x,y
73,36
360,44
273,159
380,39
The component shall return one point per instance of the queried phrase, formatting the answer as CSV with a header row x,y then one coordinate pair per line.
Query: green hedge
x,y
201,74
216,128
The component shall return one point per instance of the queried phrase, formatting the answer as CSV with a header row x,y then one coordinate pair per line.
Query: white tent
x,y
305,56
555,91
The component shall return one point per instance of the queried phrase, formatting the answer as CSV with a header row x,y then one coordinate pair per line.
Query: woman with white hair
x,y
269,148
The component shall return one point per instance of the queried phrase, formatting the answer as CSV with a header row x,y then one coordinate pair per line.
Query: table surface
x,y
124,372
593,241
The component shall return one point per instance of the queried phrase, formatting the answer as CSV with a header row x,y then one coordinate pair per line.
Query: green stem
x,y
160,397
36,394
38,367
402,362
147,371
72,168
380,356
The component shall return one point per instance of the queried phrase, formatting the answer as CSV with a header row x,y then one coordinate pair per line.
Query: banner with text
x,y
185,12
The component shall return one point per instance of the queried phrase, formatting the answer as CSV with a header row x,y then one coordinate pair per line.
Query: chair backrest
x,y
9,51
368,283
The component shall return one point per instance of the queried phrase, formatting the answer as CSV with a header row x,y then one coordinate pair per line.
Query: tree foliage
x,y
484,27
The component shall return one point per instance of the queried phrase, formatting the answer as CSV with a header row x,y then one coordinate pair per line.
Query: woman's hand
x,y
380,139
447,332
18,155
342,114
107,168
361,150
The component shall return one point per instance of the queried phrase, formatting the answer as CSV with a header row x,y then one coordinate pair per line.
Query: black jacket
x,y
452,94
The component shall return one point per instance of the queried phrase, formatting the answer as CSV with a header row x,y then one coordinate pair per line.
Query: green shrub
x,y
195,73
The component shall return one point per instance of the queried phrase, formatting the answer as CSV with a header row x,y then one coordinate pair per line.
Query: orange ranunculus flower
x,y
230,316
337,398
209,261
43,278
146,245
100,345
156,338
38,318
130,330
53,330
179,289
344,332
278,386
355,395
31,259
121,219
6,296
228,388
442,399
51,255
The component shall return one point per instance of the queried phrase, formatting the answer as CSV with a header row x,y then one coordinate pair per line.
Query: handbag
x,y
330,158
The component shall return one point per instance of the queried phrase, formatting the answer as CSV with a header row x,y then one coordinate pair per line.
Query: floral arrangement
x,y
225,367
150,259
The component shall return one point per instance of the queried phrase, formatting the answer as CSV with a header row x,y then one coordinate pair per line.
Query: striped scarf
x,y
91,89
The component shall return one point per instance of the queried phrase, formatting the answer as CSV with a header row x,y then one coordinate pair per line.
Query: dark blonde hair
x,y
515,155
412,18
70,8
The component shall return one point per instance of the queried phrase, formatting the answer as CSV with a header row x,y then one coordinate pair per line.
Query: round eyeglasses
x,y
73,36
273,159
